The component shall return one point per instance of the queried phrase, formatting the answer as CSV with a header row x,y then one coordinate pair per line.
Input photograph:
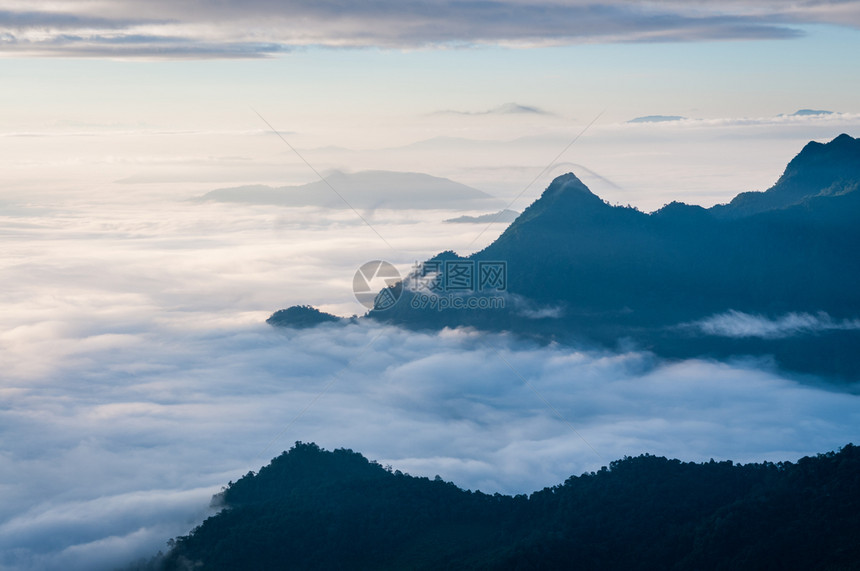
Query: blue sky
x,y
67,72
708,79
100,118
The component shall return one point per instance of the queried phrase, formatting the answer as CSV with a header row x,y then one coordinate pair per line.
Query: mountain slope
x,y
312,509
791,249
579,268
818,170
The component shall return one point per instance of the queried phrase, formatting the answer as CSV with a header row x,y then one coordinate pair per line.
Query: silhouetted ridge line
x,y
580,270
313,509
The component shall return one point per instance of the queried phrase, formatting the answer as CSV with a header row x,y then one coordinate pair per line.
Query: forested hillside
x,y
314,509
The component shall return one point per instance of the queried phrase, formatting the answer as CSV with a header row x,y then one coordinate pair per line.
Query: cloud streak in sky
x,y
161,29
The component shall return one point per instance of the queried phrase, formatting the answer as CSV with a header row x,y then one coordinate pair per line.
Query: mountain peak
x,y
566,196
567,183
843,139
840,148
818,168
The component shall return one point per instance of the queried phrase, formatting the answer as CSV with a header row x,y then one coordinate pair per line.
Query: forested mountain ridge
x,y
819,170
581,269
313,509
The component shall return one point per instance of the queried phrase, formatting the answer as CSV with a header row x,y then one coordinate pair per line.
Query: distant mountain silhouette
x,y
581,269
504,109
656,119
506,216
313,509
805,112
365,190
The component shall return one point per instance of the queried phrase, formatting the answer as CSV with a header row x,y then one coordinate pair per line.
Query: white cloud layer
x,y
137,28
119,447
138,376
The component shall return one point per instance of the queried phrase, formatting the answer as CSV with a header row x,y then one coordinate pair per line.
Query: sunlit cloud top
x,y
258,28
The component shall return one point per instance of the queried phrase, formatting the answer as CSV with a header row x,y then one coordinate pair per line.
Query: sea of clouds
x,y
137,375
